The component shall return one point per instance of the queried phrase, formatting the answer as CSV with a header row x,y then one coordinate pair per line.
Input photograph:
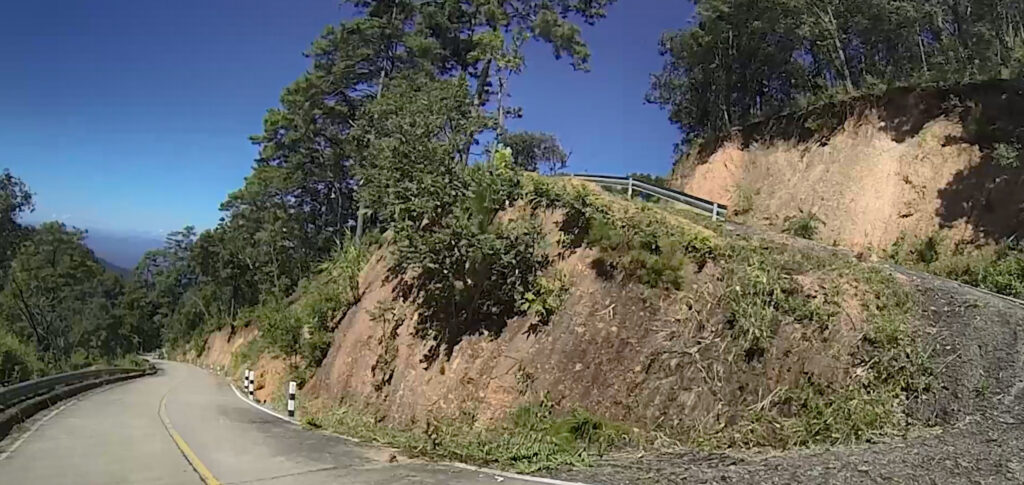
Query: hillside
x,y
113,268
875,168
658,332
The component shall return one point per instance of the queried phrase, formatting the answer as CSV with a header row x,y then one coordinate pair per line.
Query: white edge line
x,y
525,478
261,408
490,471
23,437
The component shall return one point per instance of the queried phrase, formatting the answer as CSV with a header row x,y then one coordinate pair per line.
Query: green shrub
x,y
1005,275
467,269
639,242
743,201
1006,155
805,225
279,327
547,296
18,361
927,251
247,355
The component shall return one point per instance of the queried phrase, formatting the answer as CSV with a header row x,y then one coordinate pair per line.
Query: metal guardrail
x,y
714,209
12,395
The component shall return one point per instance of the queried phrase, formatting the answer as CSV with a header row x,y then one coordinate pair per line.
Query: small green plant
x,y
760,296
927,250
984,388
743,200
247,355
805,225
547,297
1006,155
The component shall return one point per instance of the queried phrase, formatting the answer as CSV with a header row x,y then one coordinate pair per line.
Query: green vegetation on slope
x,y
996,268
533,437
759,293
300,328
385,125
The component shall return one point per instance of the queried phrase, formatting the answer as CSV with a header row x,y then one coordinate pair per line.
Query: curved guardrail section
x,y
20,401
714,209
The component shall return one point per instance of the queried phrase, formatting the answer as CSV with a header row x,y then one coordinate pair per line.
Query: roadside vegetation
x,y
534,437
998,268
60,310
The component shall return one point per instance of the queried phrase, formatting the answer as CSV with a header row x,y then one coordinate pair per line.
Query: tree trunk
x,y
829,20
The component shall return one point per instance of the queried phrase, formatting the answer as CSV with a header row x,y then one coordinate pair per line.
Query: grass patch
x,y
533,437
761,295
743,202
804,225
996,268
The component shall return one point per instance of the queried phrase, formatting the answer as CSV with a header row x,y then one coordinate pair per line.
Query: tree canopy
x,y
746,59
535,152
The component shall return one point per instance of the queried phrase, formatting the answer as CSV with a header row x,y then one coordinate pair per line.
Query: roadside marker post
x,y
291,399
252,384
245,379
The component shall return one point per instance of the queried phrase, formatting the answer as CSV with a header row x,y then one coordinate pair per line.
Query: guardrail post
x,y
630,193
291,399
252,385
714,212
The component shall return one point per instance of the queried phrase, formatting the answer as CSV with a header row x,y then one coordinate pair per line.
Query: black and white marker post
x,y
252,384
291,399
245,380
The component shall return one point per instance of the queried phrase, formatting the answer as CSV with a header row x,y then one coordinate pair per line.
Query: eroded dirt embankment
x,y
976,343
910,162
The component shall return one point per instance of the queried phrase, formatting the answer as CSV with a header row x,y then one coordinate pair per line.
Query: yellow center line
x,y
200,468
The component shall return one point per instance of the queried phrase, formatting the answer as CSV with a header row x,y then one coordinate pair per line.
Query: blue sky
x,y
133,116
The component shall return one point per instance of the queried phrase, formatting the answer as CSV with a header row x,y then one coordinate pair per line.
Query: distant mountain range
x,y
120,252
113,268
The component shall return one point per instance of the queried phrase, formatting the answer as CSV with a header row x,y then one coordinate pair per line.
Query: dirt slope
x,y
978,345
873,169
681,364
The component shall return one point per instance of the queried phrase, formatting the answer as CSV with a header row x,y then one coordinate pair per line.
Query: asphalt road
x,y
116,435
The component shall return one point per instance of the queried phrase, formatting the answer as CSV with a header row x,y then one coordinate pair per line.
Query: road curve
x,y
116,435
